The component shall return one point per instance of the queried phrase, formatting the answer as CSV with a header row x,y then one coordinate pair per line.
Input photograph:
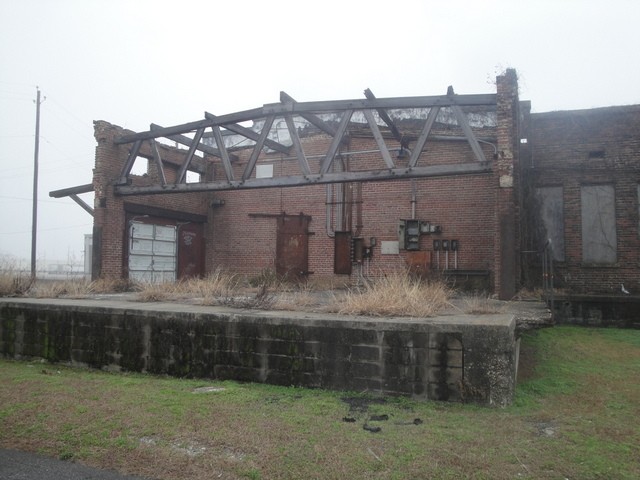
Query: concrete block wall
x,y
458,360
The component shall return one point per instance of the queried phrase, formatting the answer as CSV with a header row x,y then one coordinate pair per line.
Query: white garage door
x,y
152,253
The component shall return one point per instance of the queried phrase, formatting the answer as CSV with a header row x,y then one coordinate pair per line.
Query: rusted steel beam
x,y
184,140
158,160
384,151
247,132
192,150
466,128
385,117
82,203
224,154
310,117
337,140
257,148
65,192
295,138
383,103
312,108
126,169
315,179
422,138
242,116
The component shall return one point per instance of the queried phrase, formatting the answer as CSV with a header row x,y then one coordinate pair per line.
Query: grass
x,y
398,294
13,282
575,416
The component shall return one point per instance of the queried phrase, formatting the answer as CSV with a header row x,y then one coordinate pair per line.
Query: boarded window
x,y
550,201
598,224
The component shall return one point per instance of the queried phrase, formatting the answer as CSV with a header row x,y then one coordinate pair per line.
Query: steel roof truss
x,y
297,180
375,131
250,134
158,160
466,128
310,117
182,173
258,147
295,138
184,140
385,117
224,154
335,143
126,169
422,138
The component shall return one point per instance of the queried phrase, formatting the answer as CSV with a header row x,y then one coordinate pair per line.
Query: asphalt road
x,y
16,465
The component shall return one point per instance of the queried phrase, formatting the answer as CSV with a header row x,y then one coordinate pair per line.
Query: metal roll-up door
x,y
152,253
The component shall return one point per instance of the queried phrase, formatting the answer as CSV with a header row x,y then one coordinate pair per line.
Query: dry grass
x,y
63,288
398,294
78,288
481,305
14,284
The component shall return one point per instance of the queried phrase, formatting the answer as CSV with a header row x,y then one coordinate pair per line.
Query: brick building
x,y
469,187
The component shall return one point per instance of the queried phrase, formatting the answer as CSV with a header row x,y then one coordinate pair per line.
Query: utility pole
x,y
34,217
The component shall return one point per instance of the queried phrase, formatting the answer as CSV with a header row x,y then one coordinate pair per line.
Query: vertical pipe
x,y
413,199
34,216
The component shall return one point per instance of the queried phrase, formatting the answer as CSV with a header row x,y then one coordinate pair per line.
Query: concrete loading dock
x,y
451,357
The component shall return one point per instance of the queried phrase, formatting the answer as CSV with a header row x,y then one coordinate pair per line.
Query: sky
x,y
137,62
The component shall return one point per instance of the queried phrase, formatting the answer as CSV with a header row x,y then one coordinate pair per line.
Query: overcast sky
x,y
133,63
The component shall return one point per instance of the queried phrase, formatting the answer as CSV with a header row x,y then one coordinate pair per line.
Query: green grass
x,y
575,416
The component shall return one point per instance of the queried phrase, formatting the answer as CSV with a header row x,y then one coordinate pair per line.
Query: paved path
x,y
16,465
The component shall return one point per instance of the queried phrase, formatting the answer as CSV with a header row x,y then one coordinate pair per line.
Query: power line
x,y
57,202
49,229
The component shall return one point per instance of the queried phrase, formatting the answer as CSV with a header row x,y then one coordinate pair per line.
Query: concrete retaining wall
x,y
455,358
598,310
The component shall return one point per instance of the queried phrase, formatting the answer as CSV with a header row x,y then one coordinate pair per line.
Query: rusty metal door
x,y
292,247
190,250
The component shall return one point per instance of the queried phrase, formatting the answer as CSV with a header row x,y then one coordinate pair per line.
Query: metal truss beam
x,y
341,111
314,179
299,108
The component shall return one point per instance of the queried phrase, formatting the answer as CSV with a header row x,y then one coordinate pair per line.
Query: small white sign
x,y
264,171
390,247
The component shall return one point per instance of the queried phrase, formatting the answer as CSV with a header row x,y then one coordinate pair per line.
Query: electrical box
x,y
412,235
357,250
401,230
409,232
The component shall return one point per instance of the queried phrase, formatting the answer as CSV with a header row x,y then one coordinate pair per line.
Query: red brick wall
x,y
241,233
109,212
464,206
560,143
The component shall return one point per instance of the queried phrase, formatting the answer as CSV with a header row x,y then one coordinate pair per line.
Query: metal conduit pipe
x,y
339,193
329,201
413,199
